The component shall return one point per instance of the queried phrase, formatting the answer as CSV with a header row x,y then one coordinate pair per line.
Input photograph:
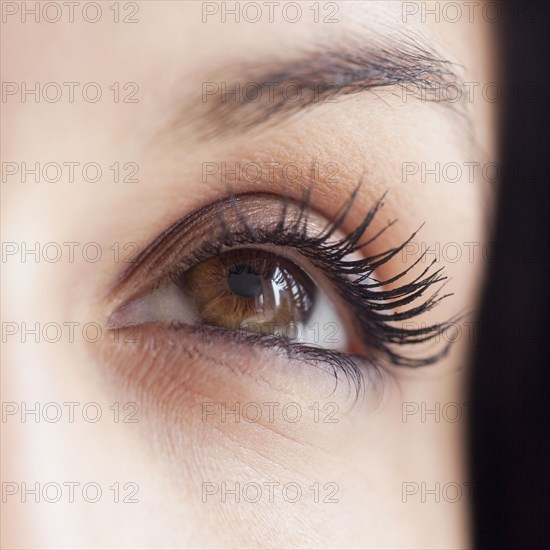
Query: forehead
x,y
173,39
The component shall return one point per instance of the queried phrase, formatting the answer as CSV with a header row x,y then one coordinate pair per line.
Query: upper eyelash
x,y
349,277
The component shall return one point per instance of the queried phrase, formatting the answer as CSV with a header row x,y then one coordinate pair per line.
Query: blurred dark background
x,y
509,389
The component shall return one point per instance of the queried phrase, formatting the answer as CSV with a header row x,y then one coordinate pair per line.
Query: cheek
x,y
272,447
244,435
199,391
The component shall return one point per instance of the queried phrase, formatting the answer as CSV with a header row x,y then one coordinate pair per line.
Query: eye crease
x,y
270,267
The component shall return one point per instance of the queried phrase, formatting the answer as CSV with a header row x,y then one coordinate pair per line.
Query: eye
x,y
262,264
248,289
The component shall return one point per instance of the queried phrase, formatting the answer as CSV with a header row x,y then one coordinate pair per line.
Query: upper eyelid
x,y
174,241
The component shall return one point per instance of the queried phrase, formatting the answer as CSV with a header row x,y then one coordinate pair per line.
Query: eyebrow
x,y
259,97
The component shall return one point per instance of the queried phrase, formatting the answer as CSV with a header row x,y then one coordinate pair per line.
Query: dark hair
x,y
509,439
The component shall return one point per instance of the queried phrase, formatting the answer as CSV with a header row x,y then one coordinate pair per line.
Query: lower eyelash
x,y
340,365
374,308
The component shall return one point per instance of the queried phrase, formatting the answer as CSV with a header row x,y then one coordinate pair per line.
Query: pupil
x,y
244,281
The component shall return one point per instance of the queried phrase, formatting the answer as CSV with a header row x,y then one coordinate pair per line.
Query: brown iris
x,y
249,289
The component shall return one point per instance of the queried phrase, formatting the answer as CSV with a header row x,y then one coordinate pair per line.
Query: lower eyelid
x,y
240,353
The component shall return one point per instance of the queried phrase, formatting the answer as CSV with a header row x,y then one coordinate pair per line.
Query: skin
x,y
171,452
